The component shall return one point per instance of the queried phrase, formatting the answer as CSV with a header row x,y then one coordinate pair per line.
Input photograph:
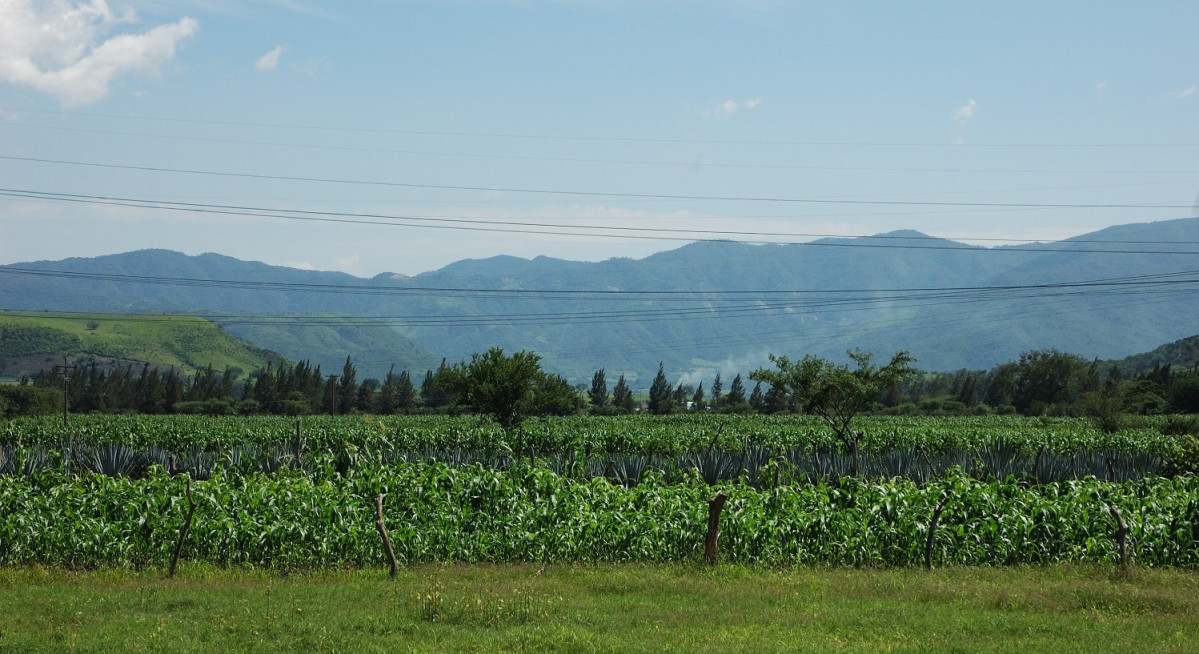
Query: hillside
x,y
33,342
700,308
1180,355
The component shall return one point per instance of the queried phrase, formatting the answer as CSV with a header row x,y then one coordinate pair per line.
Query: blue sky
x,y
402,136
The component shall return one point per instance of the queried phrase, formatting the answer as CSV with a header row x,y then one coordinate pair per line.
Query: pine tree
x,y
347,387
622,396
599,389
660,393
697,400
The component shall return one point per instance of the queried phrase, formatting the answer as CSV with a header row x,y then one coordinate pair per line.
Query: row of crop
x,y
650,435
439,513
757,466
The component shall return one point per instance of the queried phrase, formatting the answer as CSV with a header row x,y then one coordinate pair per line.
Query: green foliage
x,y
1182,458
508,388
17,340
661,395
836,393
438,513
598,395
189,343
26,400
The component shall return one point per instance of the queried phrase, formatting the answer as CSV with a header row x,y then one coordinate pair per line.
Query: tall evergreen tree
x,y
599,389
660,392
386,402
405,392
757,399
347,387
622,395
736,391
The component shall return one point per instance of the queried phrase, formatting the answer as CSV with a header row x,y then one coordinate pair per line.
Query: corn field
x,y
110,491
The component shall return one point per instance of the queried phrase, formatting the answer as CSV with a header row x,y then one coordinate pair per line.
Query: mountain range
x,y
705,307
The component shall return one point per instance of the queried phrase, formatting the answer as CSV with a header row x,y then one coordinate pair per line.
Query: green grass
x,y
187,342
602,609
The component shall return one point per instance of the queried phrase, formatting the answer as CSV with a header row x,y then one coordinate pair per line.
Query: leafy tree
x,y
697,400
717,391
660,394
1047,377
599,389
504,387
556,397
1184,395
836,393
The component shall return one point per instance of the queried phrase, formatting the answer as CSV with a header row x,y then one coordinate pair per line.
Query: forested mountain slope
x,y
699,308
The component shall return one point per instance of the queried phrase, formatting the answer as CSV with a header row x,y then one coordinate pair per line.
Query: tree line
x,y
1040,382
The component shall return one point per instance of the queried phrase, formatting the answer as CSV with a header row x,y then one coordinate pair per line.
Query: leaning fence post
x,y
391,555
932,528
187,525
715,506
1121,535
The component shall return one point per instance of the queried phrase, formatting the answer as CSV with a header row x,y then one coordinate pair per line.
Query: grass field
x,y
602,609
186,342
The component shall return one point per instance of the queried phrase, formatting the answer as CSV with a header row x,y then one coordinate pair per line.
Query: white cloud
x,y
730,107
64,47
269,61
348,264
965,112
1181,94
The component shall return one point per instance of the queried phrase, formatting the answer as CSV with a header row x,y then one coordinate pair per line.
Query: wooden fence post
x,y
391,555
187,525
932,528
1121,535
715,506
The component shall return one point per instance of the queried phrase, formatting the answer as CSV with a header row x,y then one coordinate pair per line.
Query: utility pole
x,y
66,387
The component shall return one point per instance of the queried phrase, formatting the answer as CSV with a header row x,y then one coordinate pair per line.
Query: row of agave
x,y
757,465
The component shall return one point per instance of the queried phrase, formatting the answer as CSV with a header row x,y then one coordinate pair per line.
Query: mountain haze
x,y
700,308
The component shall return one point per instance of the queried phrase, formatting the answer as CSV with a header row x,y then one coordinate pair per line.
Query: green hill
x,y
1180,355
35,341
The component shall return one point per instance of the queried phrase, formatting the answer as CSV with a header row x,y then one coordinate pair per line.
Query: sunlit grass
x,y
602,608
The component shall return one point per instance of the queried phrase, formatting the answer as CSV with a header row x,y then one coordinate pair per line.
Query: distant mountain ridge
x,y
700,308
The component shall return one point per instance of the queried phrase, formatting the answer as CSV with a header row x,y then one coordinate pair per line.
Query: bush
x,y
1183,458
27,400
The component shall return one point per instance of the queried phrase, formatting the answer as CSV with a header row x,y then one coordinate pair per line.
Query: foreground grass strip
x,y
602,608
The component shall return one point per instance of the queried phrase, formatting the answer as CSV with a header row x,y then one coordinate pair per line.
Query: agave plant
x,y
115,460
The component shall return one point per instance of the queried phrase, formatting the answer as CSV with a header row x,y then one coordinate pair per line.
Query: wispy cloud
x,y
729,107
67,49
1181,94
269,61
965,112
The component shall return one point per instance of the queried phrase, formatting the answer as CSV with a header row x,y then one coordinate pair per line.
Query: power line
x,y
604,194
622,162
598,231
1171,278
